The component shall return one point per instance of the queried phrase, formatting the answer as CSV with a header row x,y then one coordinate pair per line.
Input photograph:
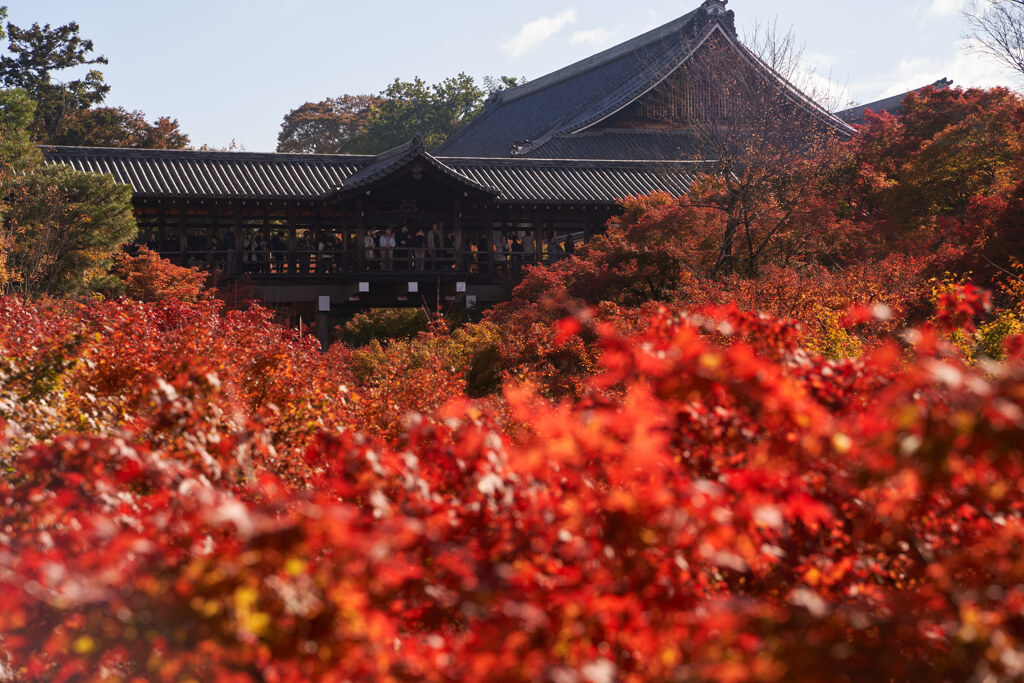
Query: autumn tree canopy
x,y
147,276
947,170
912,201
767,145
118,127
325,127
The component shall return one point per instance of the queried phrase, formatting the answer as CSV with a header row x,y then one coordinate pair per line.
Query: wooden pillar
x,y
321,264
460,256
538,235
161,233
293,231
263,257
486,258
360,235
235,257
346,241
550,236
182,237
290,265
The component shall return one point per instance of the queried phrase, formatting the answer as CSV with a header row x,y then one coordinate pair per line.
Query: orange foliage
x,y
150,277
719,504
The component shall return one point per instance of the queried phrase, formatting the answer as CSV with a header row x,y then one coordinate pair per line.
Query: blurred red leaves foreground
x,y
621,474
197,495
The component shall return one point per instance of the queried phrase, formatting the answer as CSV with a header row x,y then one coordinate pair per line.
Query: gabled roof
x,y
549,111
396,159
893,105
587,91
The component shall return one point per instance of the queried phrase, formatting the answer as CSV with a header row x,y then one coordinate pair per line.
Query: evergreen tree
x,y
59,227
37,55
363,124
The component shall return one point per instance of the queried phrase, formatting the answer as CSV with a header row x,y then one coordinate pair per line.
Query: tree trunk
x,y
725,256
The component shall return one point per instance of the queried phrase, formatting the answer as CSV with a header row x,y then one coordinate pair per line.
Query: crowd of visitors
x,y
385,248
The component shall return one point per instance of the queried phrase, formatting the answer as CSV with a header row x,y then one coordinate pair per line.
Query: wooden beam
x,y
537,222
460,256
293,258
360,235
235,265
182,237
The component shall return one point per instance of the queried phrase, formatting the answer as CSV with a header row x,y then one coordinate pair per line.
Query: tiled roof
x,y
663,145
576,181
545,112
240,175
574,96
893,105
221,175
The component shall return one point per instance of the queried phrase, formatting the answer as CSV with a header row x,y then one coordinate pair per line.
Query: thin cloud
x,y
532,34
963,68
943,7
596,37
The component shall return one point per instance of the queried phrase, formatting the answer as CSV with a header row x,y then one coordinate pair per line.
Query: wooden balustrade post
x,y
460,256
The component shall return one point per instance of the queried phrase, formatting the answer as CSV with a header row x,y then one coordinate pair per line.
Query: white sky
x,y
231,69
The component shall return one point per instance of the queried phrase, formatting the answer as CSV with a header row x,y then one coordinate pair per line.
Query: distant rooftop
x,y
894,105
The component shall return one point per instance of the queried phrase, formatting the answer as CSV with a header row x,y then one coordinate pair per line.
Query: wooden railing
x,y
316,263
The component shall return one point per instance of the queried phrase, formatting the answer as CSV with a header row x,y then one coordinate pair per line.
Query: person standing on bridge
x,y
449,249
518,252
554,251
369,242
404,243
419,243
324,256
434,247
387,247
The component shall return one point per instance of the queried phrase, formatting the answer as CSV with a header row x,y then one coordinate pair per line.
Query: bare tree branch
x,y
996,28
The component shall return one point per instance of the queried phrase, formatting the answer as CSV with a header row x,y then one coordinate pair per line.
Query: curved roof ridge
x,y
576,95
601,58
650,76
798,96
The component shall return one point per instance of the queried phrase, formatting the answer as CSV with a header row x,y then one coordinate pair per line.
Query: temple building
x,y
893,104
542,168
